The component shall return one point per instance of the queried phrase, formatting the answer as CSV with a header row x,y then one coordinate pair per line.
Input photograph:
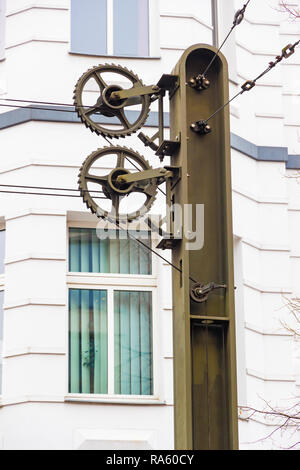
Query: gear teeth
x,y
91,159
98,129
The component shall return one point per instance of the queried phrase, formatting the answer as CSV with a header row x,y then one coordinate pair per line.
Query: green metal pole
x,y
204,333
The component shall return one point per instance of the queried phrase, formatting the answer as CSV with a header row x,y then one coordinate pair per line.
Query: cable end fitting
x,y
199,82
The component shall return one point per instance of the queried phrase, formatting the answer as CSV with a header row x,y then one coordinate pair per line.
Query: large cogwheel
x,y
126,161
94,83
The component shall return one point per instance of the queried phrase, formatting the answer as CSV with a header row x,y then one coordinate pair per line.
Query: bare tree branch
x,y
294,13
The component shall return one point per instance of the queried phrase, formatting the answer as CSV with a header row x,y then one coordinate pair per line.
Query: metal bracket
x,y
169,82
168,243
167,148
157,173
135,92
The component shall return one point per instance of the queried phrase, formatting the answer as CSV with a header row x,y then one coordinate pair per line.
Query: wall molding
x,y
266,289
258,200
35,6
261,23
266,332
28,351
19,258
69,115
37,212
35,39
22,399
34,301
187,17
270,377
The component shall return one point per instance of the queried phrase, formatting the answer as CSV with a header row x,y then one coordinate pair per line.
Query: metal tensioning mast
x,y
204,330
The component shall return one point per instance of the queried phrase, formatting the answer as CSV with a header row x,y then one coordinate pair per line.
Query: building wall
x,y
40,151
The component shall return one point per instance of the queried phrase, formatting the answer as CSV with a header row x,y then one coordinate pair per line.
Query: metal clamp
x,y
288,50
199,82
248,85
201,127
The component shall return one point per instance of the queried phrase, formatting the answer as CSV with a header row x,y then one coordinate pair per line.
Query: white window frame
x,y
111,283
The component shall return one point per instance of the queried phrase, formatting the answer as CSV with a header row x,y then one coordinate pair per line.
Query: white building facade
x,y
53,269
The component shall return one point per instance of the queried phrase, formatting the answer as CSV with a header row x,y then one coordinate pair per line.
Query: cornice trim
x,y
63,114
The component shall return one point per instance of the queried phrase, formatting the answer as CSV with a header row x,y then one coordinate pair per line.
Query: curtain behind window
x,y
89,254
133,343
87,341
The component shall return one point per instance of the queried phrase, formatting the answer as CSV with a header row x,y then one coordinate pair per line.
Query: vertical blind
x,y
87,341
133,343
89,336
114,254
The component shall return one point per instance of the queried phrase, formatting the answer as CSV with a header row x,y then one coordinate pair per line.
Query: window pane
x,y
87,341
2,250
133,343
112,254
131,27
88,26
1,336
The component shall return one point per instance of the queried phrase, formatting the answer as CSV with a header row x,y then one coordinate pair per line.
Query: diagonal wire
x,y
248,85
38,108
44,194
137,240
47,188
238,18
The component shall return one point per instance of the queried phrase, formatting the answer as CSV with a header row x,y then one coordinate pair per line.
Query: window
x,y
110,27
130,332
111,254
1,336
2,28
110,326
2,250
